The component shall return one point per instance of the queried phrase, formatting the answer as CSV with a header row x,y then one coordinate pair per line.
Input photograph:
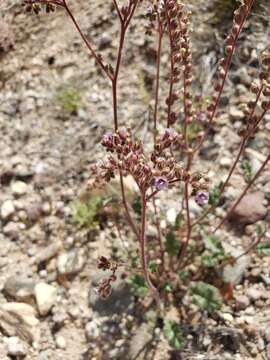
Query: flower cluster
x,y
262,92
240,16
181,59
36,6
127,156
104,287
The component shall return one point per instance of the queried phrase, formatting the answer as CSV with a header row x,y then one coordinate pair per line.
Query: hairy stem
x,y
150,285
159,234
86,41
160,35
228,64
240,151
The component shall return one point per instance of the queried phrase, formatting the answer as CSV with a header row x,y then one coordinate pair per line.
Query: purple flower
x,y
161,183
202,198
169,134
107,140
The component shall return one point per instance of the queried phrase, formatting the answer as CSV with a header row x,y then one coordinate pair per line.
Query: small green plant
x,y
207,297
263,249
214,252
138,285
248,171
172,244
214,195
174,334
69,99
86,213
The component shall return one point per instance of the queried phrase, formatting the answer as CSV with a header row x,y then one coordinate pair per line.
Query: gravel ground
x,y
48,309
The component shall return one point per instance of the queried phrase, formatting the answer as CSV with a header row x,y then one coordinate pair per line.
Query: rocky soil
x,y
48,307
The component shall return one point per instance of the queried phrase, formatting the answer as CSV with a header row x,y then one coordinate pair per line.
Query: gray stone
x,y
19,287
242,302
92,330
143,336
71,262
267,334
267,351
47,253
12,229
16,347
235,273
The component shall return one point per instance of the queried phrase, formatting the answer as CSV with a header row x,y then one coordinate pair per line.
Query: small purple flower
x,y
201,117
169,134
202,198
161,183
107,140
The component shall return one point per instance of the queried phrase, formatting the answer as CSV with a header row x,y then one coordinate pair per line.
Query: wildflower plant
x,y
170,163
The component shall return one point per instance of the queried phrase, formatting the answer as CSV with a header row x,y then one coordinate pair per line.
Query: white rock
x,y
45,297
171,215
60,342
16,347
236,114
254,294
19,188
227,317
7,209
19,319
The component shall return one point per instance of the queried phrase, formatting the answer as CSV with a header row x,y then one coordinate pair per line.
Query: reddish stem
x,y
160,35
143,250
227,67
240,151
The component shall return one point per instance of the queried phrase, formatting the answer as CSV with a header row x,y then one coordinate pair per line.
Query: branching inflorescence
x,y
166,167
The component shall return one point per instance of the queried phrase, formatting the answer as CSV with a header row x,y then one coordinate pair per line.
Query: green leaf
x,y
172,244
174,334
206,296
263,249
248,171
138,285
85,214
168,287
178,221
214,252
153,265
137,206
214,195
213,244
183,274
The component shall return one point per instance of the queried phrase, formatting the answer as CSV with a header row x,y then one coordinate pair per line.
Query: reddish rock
x,y
250,210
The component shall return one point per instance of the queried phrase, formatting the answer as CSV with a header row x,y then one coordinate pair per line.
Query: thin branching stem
x,y
159,234
160,36
172,68
150,285
227,67
86,41
240,152
118,11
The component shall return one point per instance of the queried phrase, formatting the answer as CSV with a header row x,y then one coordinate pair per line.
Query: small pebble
x,y
60,342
